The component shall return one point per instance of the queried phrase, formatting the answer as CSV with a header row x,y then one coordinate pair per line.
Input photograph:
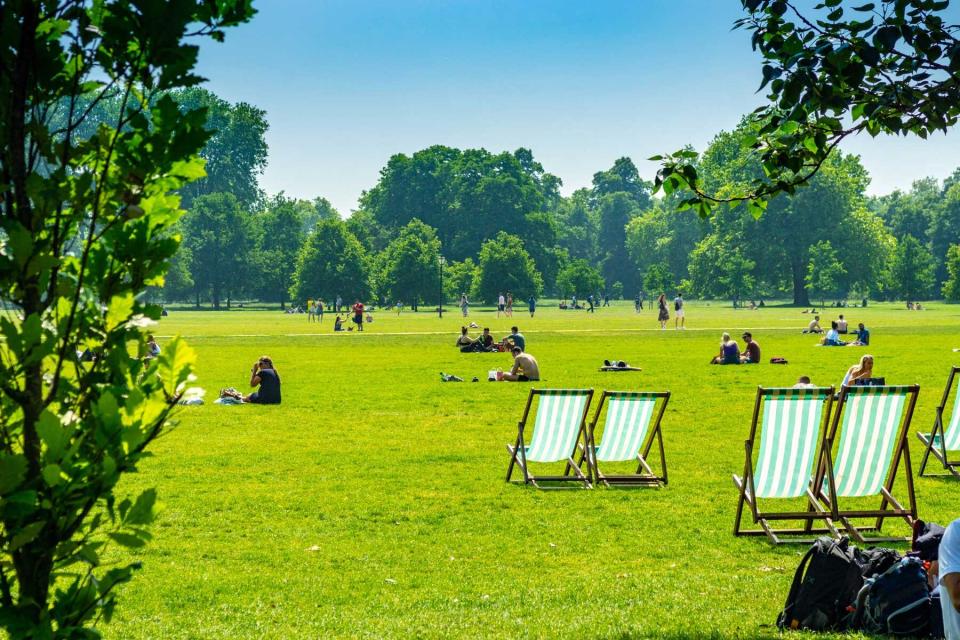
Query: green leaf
x,y
127,540
119,310
52,434
13,469
51,474
26,534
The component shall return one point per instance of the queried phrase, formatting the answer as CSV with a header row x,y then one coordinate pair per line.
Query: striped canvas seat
x,y
557,426
789,445
943,439
871,422
631,425
559,431
792,424
873,444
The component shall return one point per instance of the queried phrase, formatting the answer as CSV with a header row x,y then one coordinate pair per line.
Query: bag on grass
x,y
825,584
896,602
876,560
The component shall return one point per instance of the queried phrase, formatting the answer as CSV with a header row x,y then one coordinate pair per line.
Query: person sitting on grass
x,y
751,350
153,349
832,339
814,326
860,371
525,367
338,323
516,339
841,324
485,341
265,376
729,351
863,337
464,342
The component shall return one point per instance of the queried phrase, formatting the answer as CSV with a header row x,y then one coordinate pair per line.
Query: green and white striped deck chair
x,y
873,424
794,423
631,424
559,431
942,439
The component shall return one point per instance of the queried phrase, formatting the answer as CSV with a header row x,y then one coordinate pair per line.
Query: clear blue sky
x,y
348,83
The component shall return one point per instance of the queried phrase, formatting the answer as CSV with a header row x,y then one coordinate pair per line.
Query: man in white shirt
x,y
501,305
679,322
949,577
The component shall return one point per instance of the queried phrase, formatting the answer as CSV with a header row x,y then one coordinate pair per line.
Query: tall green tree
x,y
86,227
824,271
658,279
622,177
506,266
912,275
616,210
236,153
279,233
219,234
578,278
331,263
951,286
458,279
409,268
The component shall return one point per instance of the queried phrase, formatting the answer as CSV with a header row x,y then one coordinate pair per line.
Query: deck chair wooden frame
x,y
634,431
800,445
556,449
857,481
942,439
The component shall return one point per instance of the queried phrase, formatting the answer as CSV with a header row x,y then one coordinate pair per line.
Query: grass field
x,y
372,502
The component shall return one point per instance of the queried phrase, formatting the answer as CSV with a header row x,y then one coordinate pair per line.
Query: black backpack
x,y
876,560
897,602
825,585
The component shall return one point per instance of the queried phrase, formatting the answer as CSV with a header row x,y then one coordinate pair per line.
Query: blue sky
x,y
348,83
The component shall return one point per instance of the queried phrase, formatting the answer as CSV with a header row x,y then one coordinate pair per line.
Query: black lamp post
x,y
441,261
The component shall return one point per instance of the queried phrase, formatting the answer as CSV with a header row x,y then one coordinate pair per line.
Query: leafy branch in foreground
x,y
86,209
889,67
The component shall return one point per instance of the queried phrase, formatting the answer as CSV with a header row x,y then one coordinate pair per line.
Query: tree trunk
x,y
216,297
800,295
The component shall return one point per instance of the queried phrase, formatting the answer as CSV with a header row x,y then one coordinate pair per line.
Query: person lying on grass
x,y
729,351
525,367
859,371
265,376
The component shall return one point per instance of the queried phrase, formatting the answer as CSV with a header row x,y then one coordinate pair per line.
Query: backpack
x,y
896,602
824,585
876,560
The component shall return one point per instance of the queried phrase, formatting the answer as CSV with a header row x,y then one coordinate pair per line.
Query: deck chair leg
x,y
741,486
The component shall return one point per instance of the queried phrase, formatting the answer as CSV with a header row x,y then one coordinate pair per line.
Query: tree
x,y
178,284
622,177
409,267
951,287
458,278
218,233
578,278
331,263
506,266
658,279
86,226
280,234
824,270
236,152
616,211
887,67
912,270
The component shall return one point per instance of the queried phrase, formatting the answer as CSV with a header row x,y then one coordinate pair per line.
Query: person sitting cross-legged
x,y
863,337
525,367
751,350
729,351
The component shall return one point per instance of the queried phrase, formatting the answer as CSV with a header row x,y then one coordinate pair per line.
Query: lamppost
x,y
441,261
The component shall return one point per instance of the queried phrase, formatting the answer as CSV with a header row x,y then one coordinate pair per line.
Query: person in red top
x,y
358,314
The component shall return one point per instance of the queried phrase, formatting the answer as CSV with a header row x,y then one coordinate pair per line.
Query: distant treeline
x,y
500,224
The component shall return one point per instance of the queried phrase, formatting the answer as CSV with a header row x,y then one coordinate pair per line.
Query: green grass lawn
x,y
372,503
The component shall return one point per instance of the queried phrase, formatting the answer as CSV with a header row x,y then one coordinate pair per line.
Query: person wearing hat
x,y
751,350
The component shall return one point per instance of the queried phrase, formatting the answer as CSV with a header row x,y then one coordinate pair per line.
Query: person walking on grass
x,y
663,316
679,321
590,302
464,305
636,304
509,304
338,304
318,310
532,305
501,304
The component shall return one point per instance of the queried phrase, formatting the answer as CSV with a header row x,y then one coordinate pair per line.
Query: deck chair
x,y
873,424
943,439
794,423
559,431
628,436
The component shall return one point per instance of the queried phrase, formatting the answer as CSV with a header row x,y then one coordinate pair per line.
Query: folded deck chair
x,y
559,431
794,423
873,424
943,439
628,436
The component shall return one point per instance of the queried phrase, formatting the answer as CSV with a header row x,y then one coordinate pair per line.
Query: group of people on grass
x,y
663,314
730,351
831,337
504,305
485,343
